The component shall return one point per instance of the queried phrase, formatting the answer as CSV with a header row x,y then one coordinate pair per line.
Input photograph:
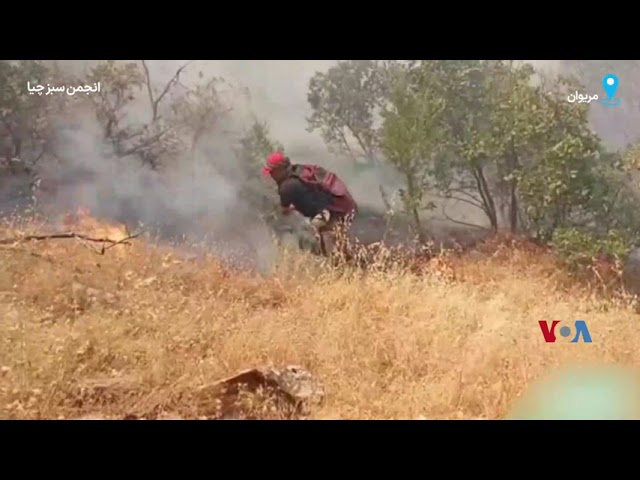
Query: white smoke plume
x,y
203,199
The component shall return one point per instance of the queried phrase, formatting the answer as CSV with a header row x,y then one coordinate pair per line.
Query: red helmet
x,y
275,160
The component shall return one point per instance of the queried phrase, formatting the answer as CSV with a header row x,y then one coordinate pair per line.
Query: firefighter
x,y
314,192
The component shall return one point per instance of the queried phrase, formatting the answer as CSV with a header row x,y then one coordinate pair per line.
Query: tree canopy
x,y
494,135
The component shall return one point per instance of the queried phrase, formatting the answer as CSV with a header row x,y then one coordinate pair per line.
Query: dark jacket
x,y
304,198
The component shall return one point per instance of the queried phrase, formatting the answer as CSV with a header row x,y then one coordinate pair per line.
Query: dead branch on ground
x,y
107,243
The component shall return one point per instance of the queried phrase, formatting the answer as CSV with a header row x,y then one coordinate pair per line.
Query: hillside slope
x,y
137,331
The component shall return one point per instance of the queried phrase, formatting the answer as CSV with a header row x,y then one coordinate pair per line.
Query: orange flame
x,y
84,223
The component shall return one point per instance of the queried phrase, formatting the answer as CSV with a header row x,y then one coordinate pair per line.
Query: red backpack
x,y
329,182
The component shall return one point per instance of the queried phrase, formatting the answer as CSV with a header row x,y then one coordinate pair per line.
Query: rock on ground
x,y
291,385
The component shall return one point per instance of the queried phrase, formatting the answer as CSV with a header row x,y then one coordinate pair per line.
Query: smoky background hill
x,y
428,148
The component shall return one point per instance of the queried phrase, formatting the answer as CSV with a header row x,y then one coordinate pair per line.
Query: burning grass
x,y
138,333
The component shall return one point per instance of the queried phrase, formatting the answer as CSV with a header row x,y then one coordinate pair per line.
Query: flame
x,y
84,223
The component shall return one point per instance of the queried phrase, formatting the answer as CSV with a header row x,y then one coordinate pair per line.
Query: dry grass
x,y
137,331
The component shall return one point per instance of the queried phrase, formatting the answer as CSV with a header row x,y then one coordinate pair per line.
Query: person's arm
x,y
288,209
305,200
286,206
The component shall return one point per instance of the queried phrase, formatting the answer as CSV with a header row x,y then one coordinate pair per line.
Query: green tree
x,y
26,119
346,101
461,171
510,141
252,151
200,110
560,177
155,141
411,131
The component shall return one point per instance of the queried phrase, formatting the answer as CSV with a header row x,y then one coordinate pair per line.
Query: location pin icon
x,y
610,84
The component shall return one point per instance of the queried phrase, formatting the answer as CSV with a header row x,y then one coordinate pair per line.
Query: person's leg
x,y
334,235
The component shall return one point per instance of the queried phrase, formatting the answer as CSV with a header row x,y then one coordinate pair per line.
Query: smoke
x,y
202,198
615,126
199,199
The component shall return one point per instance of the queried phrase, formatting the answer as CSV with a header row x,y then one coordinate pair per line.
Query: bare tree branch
x,y
475,203
156,102
462,191
171,82
188,89
472,225
385,198
45,146
147,82
144,144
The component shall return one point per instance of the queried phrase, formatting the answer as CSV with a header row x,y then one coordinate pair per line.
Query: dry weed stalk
x,y
391,341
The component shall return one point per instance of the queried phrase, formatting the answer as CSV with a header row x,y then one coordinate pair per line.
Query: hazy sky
x,y
278,90
278,93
